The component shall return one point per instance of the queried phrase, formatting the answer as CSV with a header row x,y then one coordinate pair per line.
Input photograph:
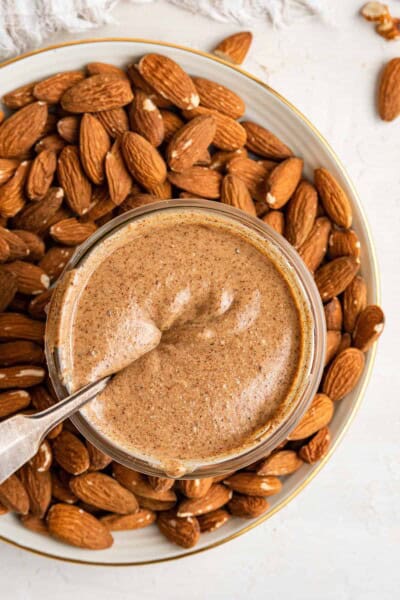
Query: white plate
x,y
271,110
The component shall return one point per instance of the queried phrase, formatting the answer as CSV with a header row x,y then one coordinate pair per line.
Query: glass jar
x,y
299,278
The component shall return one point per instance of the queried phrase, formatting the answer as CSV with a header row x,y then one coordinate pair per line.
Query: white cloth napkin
x,y
25,24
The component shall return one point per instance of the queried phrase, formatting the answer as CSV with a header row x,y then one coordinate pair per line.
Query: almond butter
x,y
318,415
184,531
137,520
343,374
247,507
13,495
75,526
94,143
218,97
234,48
102,491
314,248
317,447
283,462
13,401
199,181
253,485
70,453
189,143
72,232
234,192
217,496
333,197
369,326
261,141
334,277
301,213
19,132
334,313
97,93
142,159
354,302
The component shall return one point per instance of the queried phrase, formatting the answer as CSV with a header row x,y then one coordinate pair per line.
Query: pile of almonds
x,y
83,146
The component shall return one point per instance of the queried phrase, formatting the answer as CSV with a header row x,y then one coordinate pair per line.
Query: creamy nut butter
x,y
204,327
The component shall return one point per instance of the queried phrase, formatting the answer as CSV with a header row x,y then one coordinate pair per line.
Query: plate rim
x,y
375,270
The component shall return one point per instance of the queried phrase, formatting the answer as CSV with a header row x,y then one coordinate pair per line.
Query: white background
x,y
339,539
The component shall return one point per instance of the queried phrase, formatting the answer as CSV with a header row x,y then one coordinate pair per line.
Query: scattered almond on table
x,y
77,149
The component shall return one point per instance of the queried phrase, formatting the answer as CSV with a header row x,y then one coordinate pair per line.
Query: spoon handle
x,y
20,436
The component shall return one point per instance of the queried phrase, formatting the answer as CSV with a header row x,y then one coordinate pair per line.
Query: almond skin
x,y
283,462
73,180
334,277
12,194
114,121
263,142
17,248
314,248
200,181
19,97
253,485
145,118
318,415
35,244
283,181
143,161
137,520
41,175
389,91
334,198
172,124
234,48
31,279
190,142
217,496
213,520
21,131
235,193
102,491
50,90
344,243
301,213
182,531
136,483
253,174
70,453
333,340
13,401
7,169
343,373
354,302
14,326
195,488
97,93
247,507
98,460
54,261
218,97
369,326
94,144
75,526
68,128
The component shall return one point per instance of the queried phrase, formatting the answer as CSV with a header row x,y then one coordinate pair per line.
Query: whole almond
x,y
253,485
8,287
13,495
143,160
354,302
16,246
369,326
54,261
31,279
333,197
283,462
43,458
247,507
344,243
33,523
50,90
314,248
199,181
21,131
61,490
317,447
13,401
12,195
38,487
19,97
75,526
301,213
161,191
213,520
8,167
137,520
318,415
218,97
345,342
37,216
220,159
72,232
195,488
14,326
73,180
154,504
229,134
333,340
52,142
169,80
35,244
389,91
234,192
98,460
334,277
261,141
114,121
334,313
190,142
253,174
136,483
37,306
283,181
234,48
276,220
21,376
70,453
172,123
102,491
94,143
217,496
4,252
94,68
145,118
68,128
160,484
139,83
97,93
343,374
184,531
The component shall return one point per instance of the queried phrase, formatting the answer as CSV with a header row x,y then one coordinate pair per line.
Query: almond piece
x,y
334,198
54,261
8,167
102,491
369,326
73,180
169,80
137,520
145,118
283,181
37,216
20,97
354,302
217,496
21,376
253,485
19,132
12,199
8,288
172,123
75,526
190,143
68,128
344,243
94,144
97,93
261,141
334,277
13,401
34,242
14,326
229,134
317,447
318,415
375,11
234,48
31,279
313,250
389,91
234,192
143,160
301,213
182,531
50,90
247,507
72,232
333,340
195,488
38,487
98,460
43,458
333,312
343,374
70,453
160,484
283,462
13,495
94,68
218,97
213,520
199,181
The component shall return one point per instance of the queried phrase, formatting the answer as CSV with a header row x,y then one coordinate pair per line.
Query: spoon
x,y
20,436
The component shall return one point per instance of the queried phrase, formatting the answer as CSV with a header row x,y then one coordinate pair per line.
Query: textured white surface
x,y
340,538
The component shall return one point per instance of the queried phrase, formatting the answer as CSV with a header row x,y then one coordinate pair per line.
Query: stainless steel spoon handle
x,y
20,436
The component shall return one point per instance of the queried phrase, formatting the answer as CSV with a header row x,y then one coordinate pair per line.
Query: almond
x,y
253,174
94,68
13,401
142,159
318,415
140,83
31,279
43,458
182,531
234,48
145,118
333,340
97,93
54,261
317,447
333,312
345,342
190,143
261,141
38,304
8,167
195,488
94,144
253,485
334,277
344,243
51,142
161,191
16,326
72,232
137,520
68,128
313,250
34,242
4,253
98,460
16,246
160,484
301,213
19,132
334,198
218,97
283,462
102,491
389,91
234,192
70,453
343,374
354,302
136,483
13,495
229,134
276,220
20,97
247,507
12,198
217,496
75,526
34,524
172,123
156,505
76,186
61,490
37,216
21,376
369,326
50,90
199,181
375,11
213,520
8,287
283,181
222,158
38,488
169,80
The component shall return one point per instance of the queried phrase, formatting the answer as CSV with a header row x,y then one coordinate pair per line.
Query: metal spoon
x,y
20,436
